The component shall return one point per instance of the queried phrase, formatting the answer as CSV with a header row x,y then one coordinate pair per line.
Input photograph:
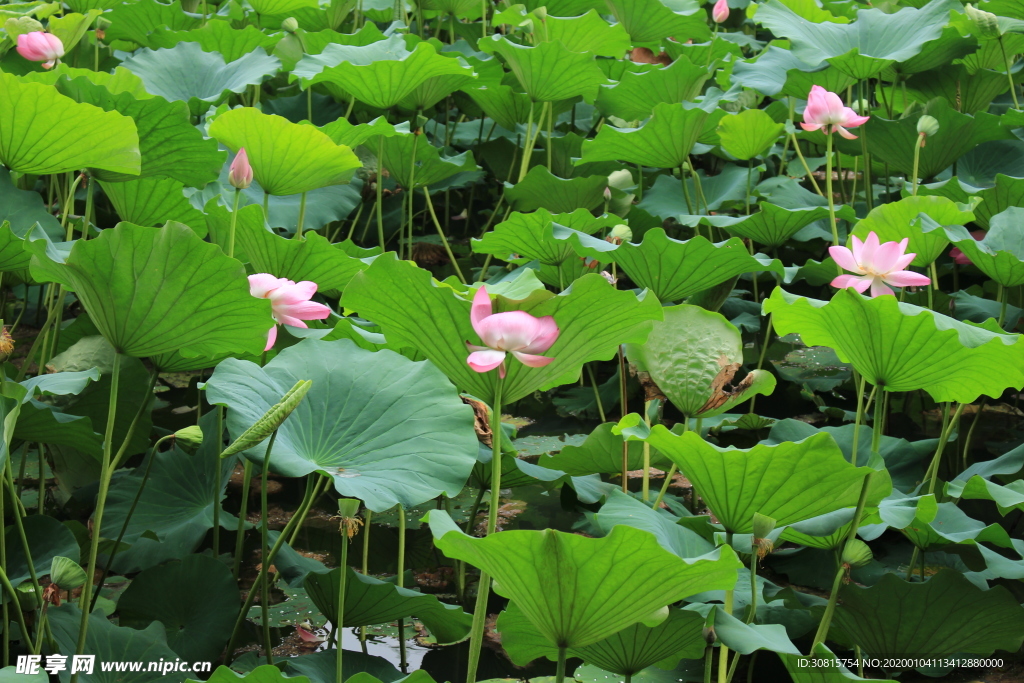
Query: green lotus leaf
x,y
893,142
71,27
974,93
692,356
772,225
135,21
947,614
833,672
175,511
637,93
1006,192
862,48
601,453
321,667
625,653
548,72
790,482
381,74
665,141
286,158
1000,255
778,71
431,165
503,104
674,270
673,535
36,120
457,7
154,201
603,585
542,236
47,539
273,7
312,258
651,20
418,313
86,5
186,73
586,33
170,145
406,440
66,573
433,90
42,423
372,601
892,222
664,199
976,481
195,598
749,133
946,524
154,290
902,347
20,210
217,36
112,643
120,80
542,190
747,638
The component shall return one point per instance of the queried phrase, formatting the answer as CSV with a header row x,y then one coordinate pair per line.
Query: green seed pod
x,y
27,596
291,25
348,507
763,525
66,573
189,439
986,23
856,553
927,125
271,420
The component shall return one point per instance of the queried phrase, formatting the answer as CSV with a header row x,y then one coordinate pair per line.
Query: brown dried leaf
x,y
481,419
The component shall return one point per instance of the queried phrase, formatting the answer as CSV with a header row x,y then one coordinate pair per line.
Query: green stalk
x,y
803,162
20,527
265,552
859,381
708,662
764,349
686,192
828,192
13,600
69,203
106,471
1001,294
400,582
266,205
476,634
830,609
25,637
597,393
412,186
723,651
367,518
440,232
380,191
948,425
752,617
1009,76
524,163
646,488
216,483
41,507
339,621
917,158
560,667
302,217
242,513
303,511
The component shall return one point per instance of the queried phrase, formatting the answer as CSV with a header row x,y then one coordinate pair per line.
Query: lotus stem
x,y
830,609
25,638
551,134
216,483
699,189
913,561
859,382
339,620
367,518
380,191
948,425
524,163
302,217
41,507
20,527
1002,295
764,350
69,204
265,552
686,193
560,667
476,634
106,471
1009,75
646,489
444,239
708,662
400,582
723,651
664,486
970,432
918,144
752,617
242,514
306,505
597,393
803,162
5,611
828,192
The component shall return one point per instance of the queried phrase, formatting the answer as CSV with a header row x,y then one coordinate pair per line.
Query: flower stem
x,y
302,217
723,651
828,193
400,582
647,454
265,552
483,591
216,483
752,617
380,191
339,620
948,425
1002,295
859,381
234,222
803,162
918,144
444,240
560,667
242,514
1009,76
25,637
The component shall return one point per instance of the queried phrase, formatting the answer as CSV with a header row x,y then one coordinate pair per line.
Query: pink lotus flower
x,y
289,301
515,332
240,172
826,111
958,256
720,12
876,266
39,46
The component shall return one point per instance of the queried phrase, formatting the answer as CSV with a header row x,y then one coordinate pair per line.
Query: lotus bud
x,y
763,526
708,632
620,179
290,25
240,172
620,233
720,12
38,46
189,439
986,23
607,194
856,553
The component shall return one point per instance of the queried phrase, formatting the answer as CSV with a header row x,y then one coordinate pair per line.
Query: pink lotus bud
x,y
39,46
720,12
607,194
240,172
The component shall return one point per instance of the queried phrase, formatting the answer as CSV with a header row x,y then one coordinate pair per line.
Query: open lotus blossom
x,y
957,254
720,12
876,266
39,46
825,111
515,332
289,300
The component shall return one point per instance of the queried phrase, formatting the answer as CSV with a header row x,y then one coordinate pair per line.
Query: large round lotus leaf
x,y
287,158
548,72
541,189
418,313
135,21
196,599
652,20
790,482
542,236
664,141
945,615
692,356
396,431
372,601
600,453
748,133
1000,255
46,132
771,225
154,201
636,94
154,290
902,347
576,590
218,36
112,643
634,648
678,538
892,222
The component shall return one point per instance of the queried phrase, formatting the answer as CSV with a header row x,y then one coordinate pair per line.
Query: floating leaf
x,y
771,225
154,201
548,72
637,93
665,141
542,190
651,20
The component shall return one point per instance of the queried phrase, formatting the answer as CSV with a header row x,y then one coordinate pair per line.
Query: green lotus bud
x,y
66,573
620,180
189,439
927,125
291,25
621,233
985,23
856,553
271,420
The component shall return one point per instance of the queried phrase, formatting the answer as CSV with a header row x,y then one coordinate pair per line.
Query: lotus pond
x,y
453,341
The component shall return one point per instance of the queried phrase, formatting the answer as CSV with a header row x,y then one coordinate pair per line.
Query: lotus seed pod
x,y
271,420
621,232
189,439
927,125
348,507
763,525
66,573
986,23
27,596
291,25
856,553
